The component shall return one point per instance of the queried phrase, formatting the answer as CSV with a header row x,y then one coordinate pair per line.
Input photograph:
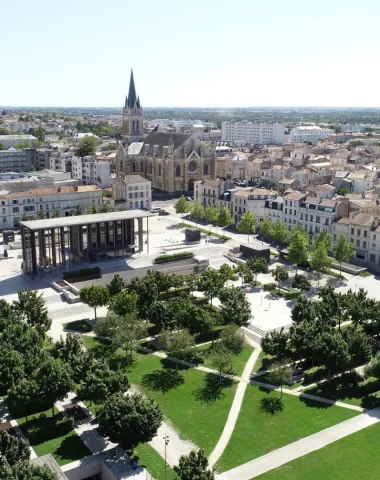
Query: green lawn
x,y
350,388
239,360
263,427
353,457
80,326
194,402
263,362
154,463
53,435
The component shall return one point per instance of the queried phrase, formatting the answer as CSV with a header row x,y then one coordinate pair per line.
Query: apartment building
x,y
290,210
253,200
245,132
362,180
276,172
13,160
273,208
309,134
132,191
91,171
218,192
13,206
9,141
315,213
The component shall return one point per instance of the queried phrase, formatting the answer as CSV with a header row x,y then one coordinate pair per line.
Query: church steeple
x,y
132,114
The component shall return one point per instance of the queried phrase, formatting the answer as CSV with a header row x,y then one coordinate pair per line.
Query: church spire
x,y
132,97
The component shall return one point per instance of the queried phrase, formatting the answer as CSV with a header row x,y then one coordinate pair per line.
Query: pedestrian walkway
x,y
302,447
235,409
175,447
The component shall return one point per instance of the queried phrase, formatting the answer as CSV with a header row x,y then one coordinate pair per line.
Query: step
x,y
252,335
257,330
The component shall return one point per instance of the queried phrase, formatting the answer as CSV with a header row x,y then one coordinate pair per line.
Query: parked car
x,y
189,199
155,210
163,212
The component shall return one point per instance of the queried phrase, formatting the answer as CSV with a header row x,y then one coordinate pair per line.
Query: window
x,y
291,203
130,204
374,246
317,219
290,212
286,202
205,169
131,195
365,233
151,168
286,210
136,194
372,257
14,202
301,216
374,237
3,202
159,170
359,232
360,256
306,217
352,231
134,163
177,171
311,218
4,219
364,244
15,209
358,243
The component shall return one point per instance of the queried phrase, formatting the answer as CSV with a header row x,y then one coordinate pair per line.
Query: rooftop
x,y
131,179
17,137
85,219
294,196
363,220
55,191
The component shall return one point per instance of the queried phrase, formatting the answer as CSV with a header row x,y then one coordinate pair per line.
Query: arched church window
x,y
133,126
142,166
192,166
137,125
205,169
133,166
177,171
159,170
151,168
130,204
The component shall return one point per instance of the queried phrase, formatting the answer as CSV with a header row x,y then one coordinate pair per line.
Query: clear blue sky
x,y
195,53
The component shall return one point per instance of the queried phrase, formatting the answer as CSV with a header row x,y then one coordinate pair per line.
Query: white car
x,y
155,210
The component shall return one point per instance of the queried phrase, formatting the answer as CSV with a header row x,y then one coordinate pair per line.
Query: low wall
x,y
348,268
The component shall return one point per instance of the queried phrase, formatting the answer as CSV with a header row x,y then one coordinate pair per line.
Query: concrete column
x,y
54,254
97,228
147,233
62,246
33,249
141,239
89,241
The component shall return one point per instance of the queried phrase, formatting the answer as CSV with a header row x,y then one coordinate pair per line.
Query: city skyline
x,y
214,55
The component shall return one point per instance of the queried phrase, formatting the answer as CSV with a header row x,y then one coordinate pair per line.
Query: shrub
x,y
93,272
179,292
314,374
268,287
301,282
291,295
235,277
173,257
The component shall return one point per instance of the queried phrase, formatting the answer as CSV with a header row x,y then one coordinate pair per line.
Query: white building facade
x,y
309,134
131,192
246,132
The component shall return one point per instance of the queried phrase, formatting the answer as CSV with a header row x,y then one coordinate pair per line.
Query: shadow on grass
x,y
314,403
80,326
72,448
271,405
163,380
169,364
212,388
43,428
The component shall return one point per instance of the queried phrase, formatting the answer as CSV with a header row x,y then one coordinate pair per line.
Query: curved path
x,y
235,408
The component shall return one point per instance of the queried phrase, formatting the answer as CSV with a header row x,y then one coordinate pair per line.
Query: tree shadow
x,y
72,448
212,388
163,380
271,405
170,364
43,428
314,403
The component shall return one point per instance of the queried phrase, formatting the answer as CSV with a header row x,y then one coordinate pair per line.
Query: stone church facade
x,y
171,161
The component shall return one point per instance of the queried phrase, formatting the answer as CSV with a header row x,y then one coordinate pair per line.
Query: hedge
x,y
179,292
93,272
174,257
269,287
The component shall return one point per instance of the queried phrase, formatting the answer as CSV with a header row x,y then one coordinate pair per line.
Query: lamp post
x,y
166,439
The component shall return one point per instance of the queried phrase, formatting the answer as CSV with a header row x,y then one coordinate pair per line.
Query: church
x,y
171,161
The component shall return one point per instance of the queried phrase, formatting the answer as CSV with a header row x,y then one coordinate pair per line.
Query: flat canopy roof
x,y
85,219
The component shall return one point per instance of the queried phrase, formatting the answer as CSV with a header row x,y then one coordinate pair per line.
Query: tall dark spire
x,y
132,97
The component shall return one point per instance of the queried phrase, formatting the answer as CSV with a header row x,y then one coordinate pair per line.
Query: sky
x,y
195,53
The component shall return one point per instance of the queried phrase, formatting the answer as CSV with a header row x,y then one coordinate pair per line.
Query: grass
x,y
264,424
263,362
365,274
153,462
194,402
95,343
238,362
54,435
80,326
355,456
204,230
352,389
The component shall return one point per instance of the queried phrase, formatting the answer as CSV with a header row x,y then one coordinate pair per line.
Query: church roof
x,y
131,100
164,139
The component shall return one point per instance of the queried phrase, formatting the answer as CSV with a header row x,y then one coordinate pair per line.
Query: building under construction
x,y
65,240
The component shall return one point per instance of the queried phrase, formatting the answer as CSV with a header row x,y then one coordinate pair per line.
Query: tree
x,y
23,395
245,273
235,307
302,337
280,274
176,344
106,208
373,368
197,211
100,382
11,366
233,339
280,234
194,467
210,283
275,343
359,345
324,238
224,218
332,351
221,359
30,306
266,228
257,265
227,272
211,214
39,133
130,330
123,303
280,374
192,282
247,223
95,296
303,310
344,251
13,449
116,285
87,146
54,381
71,351
301,282
182,205
319,260
26,471
129,420
147,292
298,249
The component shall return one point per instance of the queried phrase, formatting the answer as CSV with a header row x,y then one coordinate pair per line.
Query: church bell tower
x,y
133,116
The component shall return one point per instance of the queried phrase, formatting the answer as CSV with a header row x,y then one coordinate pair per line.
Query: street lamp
x,y
166,439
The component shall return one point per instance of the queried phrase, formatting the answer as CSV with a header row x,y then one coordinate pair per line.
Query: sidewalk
x,y
300,448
